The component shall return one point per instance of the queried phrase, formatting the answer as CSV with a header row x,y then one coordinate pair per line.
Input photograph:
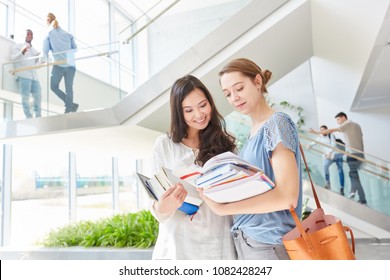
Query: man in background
x,y
354,141
330,156
26,75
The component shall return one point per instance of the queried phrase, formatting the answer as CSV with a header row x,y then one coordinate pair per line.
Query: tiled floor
x,y
365,249
371,250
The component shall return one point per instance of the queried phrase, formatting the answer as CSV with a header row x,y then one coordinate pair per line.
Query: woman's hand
x,y
216,207
172,199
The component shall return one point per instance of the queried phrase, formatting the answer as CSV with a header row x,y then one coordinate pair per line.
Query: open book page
x,y
223,173
188,174
192,194
225,158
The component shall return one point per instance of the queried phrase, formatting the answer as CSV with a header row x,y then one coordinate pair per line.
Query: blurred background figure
x,y
61,44
330,156
26,75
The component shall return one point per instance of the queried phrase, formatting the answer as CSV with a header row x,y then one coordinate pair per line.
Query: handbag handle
x,y
352,238
292,210
298,222
301,229
311,181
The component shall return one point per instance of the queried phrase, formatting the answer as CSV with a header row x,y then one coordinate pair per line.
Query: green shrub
x,y
138,230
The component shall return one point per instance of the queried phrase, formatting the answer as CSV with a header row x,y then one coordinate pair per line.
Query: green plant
x,y
139,229
305,212
297,109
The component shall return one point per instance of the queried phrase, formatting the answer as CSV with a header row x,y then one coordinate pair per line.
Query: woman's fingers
x,y
179,192
176,192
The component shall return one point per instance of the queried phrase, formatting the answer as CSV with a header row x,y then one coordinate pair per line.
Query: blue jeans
x,y
338,159
68,74
354,165
27,86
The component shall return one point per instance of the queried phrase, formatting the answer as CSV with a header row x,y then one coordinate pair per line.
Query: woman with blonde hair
x,y
62,45
261,221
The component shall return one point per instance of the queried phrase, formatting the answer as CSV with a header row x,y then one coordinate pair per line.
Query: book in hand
x,y
160,182
227,178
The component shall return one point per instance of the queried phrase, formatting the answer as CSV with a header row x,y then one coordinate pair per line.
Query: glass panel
x,y
29,15
39,195
100,71
239,125
91,25
2,230
127,184
126,55
94,186
197,20
99,78
374,174
3,19
155,33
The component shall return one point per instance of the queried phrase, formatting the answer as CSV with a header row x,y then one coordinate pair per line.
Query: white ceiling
x,y
349,54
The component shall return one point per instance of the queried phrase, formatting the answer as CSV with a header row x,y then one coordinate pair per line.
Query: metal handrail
x,y
149,22
58,62
364,160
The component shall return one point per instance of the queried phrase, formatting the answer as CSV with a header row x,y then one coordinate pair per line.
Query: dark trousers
x,y
354,165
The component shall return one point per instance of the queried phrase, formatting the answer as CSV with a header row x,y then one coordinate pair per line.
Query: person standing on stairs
x,y
23,54
62,45
330,156
354,142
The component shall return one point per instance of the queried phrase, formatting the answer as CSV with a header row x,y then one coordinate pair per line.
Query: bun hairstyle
x,y
52,20
249,69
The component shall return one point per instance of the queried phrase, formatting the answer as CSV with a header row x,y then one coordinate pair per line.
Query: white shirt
x,y
25,60
207,235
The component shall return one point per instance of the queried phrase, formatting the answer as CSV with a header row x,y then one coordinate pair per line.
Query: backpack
x,y
340,144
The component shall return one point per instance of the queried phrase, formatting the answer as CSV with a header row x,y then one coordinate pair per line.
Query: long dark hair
x,y
214,139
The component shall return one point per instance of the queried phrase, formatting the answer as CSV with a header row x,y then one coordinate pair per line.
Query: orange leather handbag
x,y
319,236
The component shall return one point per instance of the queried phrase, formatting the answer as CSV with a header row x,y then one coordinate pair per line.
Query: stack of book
x,y
160,182
227,178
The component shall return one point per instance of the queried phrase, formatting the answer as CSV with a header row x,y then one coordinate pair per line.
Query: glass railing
x,y
374,173
100,80
169,28
154,40
145,16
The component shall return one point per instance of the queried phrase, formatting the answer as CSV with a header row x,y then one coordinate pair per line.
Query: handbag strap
x,y
311,181
292,210
352,238
301,230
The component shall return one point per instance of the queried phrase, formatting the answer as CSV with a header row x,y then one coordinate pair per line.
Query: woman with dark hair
x,y
261,221
197,133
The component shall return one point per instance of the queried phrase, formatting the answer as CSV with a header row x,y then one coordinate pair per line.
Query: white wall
x,y
340,58
297,89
